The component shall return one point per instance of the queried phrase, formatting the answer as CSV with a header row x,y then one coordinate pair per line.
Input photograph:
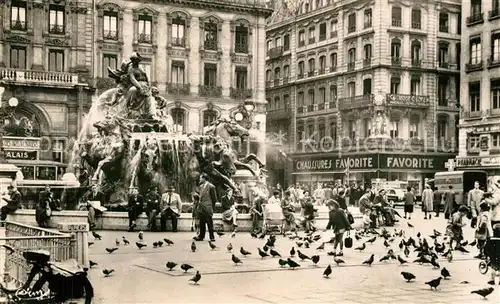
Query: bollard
x,y
80,232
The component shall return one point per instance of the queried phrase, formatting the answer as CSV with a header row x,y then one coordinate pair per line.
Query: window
x,y
144,26
351,23
495,140
443,91
277,42
396,48
241,39
322,31
286,42
302,37
443,22
178,72
110,26
211,35
301,68
322,95
396,17
474,142
18,57
443,54
286,71
312,34
414,126
300,133
352,55
333,28
277,102
56,61
415,85
268,75
277,73
475,97
333,61
442,128
310,97
475,50
495,93
333,131
475,7
300,99
18,16
322,64
321,131
179,118
179,32
395,81
56,19
210,75
415,52
367,86
368,18
286,102
269,45
394,128
209,116
367,126
333,93
108,60
351,128
416,22
312,65
495,47
367,50
351,89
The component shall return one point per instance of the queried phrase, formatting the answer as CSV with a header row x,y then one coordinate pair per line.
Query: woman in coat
x,y
449,205
409,199
427,201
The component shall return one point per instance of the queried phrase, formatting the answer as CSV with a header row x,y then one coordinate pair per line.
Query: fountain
x,y
127,140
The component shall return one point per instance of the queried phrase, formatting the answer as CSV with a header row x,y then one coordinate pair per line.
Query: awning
x,y
335,172
23,162
39,183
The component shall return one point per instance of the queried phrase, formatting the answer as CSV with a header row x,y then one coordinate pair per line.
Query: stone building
x,y
365,90
480,82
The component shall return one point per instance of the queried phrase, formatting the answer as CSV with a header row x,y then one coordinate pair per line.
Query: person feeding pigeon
x,y
454,228
288,211
339,223
484,229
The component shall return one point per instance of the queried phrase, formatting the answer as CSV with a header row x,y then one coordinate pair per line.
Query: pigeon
x,y
408,276
331,253
125,241
171,265
373,239
338,261
418,234
141,235
370,260
434,283
96,236
92,263
220,234
449,256
306,245
401,260
111,250
196,278
436,233
435,263
140,245
160,243
262,236
328,271
473,243
235,259
244,252
315,259
168,241
233,234
410,225
282,262
186,267
401,245
386,244
406,251
302,256
299,244
107,272
262,253
254,235
155,244
292,263
212,245
274,253
484,292
89,244
464,243
229,247
464,282
361,248
292,252
193,247
462,249
117,242
321,247
445,273
385,258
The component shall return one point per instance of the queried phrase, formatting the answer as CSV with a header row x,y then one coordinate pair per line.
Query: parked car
x,y
395,196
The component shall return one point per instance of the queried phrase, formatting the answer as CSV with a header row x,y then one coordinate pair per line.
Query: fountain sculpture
x,y
127,140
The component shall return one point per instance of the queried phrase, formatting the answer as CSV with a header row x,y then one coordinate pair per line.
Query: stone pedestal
x,y
80,231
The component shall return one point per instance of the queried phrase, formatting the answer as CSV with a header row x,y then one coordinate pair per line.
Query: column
x,y
80,232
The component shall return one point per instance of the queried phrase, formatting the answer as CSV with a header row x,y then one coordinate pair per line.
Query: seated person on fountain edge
x,y
95,201
228,207
171,207
153,199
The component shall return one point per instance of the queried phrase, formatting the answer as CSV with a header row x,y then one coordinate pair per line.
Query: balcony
x,y
333,34
179,41
472,67
22,77
416,25
493,63
275,52
472,115
321,71
239,93
444,144
396,61
351,29
416,62
144,38
408,101
367,25
443,65
445,104
276,114
179,89
17,25
310,73
285,79
209,91
351,66
494,14
56,29
317,107
210,45
355,102
443,28
300,75
367,62
396,22
110,35
322,37
276,81
286,46
302,43
312,40
241,48
475,19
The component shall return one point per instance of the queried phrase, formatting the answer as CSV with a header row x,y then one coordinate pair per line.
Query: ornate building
x,y
480,83
364,90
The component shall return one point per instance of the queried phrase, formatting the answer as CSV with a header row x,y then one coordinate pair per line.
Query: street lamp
x,y
245,112
5,113
249,106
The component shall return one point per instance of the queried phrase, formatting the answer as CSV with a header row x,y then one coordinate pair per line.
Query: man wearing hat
x,y
153,199
13,202
171,206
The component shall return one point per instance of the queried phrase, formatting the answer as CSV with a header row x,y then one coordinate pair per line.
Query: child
x,y
454,228
367,219
308,211
491,250
339,223
257,213
483,230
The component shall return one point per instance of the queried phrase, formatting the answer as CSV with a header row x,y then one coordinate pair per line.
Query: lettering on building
x,y
28,155
354,163
21,144
469,162
410,162
314,164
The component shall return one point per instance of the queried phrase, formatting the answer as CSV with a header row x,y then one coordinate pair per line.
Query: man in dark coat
x,y
205,208
135,207
93,196
153,199
13,202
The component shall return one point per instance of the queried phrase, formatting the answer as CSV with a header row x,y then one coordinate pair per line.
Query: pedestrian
x,y
367,221
409,199
449,202
340,198
257,212
43,211
95,201
13,200
455,227
288,211
229,211
494,202
474,198
308,212
484,230
171,207
438,201
339,223
205,209
275,199
134,207
427,201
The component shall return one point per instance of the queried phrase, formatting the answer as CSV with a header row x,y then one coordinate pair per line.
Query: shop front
x,y
369,168
490,164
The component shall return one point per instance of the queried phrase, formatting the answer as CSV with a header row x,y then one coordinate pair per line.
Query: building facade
x,y
480,83
365,90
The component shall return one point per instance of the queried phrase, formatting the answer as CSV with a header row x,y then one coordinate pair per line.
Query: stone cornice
x,y
223,5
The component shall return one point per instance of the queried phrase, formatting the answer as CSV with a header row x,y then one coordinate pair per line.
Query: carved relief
x,y
56,42
241,59
111,46
177,52
144,50
18,39
210,55
38,5
79,10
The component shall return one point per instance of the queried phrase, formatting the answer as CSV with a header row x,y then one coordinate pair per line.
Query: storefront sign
x,y
469,162
409,162
21,143
337,163
27,155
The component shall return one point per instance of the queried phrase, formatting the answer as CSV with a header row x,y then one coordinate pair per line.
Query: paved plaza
x,y
141,275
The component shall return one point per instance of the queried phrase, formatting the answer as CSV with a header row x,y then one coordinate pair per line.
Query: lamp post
x,y
245,112
6,113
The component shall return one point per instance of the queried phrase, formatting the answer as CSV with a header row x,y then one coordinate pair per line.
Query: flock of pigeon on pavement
x,y
426,253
